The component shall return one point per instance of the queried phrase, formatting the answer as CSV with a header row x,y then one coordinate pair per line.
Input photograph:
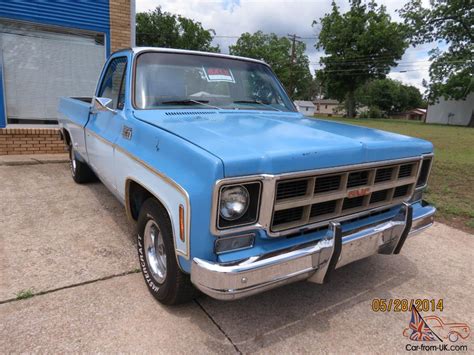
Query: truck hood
x,y
254,142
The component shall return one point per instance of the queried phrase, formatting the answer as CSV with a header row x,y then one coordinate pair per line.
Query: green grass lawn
x,y
451,185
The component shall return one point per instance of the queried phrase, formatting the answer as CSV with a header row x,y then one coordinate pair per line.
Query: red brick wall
x,y
30,141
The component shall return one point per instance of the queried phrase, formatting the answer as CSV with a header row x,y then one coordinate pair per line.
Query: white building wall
x,y
328,109
307,111
305,107
452,112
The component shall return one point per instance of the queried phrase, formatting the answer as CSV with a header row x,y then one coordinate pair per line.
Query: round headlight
x,y
234,202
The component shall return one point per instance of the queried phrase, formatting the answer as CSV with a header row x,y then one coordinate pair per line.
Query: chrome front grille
x,y
292,189
384,174
327,183
317,198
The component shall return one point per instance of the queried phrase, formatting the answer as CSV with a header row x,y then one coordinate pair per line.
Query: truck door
x,y
104,127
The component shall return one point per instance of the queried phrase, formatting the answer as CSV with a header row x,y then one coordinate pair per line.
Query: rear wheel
x,y
163,277
80,171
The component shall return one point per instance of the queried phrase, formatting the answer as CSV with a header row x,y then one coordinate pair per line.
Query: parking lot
x,y
71,249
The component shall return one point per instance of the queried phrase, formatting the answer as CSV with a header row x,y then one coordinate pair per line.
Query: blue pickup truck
x,y
233,191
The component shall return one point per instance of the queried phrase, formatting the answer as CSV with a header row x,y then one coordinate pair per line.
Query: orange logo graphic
x,y
359,192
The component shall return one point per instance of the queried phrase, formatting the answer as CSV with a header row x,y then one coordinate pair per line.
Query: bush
x,y
373,112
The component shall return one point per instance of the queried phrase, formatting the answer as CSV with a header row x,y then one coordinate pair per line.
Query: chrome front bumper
x,y
311,261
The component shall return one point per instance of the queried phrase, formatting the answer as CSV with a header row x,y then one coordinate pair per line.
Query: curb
x,y
16,160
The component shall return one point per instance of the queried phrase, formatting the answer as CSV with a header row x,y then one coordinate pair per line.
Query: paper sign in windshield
x,y
219,74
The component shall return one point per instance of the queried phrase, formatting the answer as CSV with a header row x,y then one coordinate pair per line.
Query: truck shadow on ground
x,y
272,317
114,209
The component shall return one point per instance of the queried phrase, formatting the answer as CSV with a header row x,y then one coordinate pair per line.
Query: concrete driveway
x,y
72,247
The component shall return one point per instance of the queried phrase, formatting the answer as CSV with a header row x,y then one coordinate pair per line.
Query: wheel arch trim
x,y
166,204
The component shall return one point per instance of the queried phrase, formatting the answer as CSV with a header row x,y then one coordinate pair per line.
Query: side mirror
x,y
102,104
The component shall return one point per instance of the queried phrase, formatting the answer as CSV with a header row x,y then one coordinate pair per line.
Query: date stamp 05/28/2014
x,y
405,305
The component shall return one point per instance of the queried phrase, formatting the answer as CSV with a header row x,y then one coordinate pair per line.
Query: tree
x,y
451,22
360,45
276,51
315,90
163,29
390,96
414,98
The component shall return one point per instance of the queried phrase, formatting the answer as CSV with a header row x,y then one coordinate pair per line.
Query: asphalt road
x,y
73,247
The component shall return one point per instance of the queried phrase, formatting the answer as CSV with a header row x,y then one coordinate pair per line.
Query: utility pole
x,y
293,38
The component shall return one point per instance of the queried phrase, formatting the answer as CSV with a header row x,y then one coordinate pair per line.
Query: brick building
x,y
50,49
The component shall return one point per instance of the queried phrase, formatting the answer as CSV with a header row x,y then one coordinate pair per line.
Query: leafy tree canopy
x,y
276,51
163,29
360,45
452,22
389,95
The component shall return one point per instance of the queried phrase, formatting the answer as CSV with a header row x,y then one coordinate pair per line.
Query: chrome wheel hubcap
x,y
155,251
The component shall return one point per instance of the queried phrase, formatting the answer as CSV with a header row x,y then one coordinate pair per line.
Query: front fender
x,y
177,173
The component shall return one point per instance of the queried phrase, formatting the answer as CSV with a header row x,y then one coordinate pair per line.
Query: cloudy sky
x,y
230,18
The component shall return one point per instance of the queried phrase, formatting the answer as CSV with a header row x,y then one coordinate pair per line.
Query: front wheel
x,y
163,277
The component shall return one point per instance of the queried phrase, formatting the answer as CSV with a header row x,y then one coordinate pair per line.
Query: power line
x,y
234,36
348,62
360,71
374,61
353,58
404,67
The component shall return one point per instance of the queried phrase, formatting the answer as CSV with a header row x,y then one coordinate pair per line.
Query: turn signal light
x,y
417,196
181,223
227,244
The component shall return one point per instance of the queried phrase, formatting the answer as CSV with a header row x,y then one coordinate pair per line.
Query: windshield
x,y
174,80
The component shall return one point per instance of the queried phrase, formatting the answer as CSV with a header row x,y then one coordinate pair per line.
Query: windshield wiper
x,y
189,102
255,102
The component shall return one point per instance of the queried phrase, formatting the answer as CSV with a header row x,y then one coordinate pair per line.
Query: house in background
x,y
305,107
416,114
452,112
50,49
328,107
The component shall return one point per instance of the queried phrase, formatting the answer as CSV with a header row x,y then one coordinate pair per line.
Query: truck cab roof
x,y
138,50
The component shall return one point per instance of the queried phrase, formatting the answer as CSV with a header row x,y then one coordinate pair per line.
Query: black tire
x,y
176,287
80,171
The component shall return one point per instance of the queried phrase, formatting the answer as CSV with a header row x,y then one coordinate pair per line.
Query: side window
x,y
112,85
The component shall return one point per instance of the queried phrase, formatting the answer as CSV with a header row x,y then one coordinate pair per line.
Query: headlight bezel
x,y
423,175
252,213
424,172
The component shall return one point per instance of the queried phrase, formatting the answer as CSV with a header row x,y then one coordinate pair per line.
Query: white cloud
x,y
234,17
414,66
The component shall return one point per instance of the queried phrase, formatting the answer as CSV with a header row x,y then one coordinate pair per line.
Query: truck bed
x,y
83,98
73,116
74,109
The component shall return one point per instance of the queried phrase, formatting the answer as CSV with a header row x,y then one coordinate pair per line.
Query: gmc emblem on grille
x,y
359,192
